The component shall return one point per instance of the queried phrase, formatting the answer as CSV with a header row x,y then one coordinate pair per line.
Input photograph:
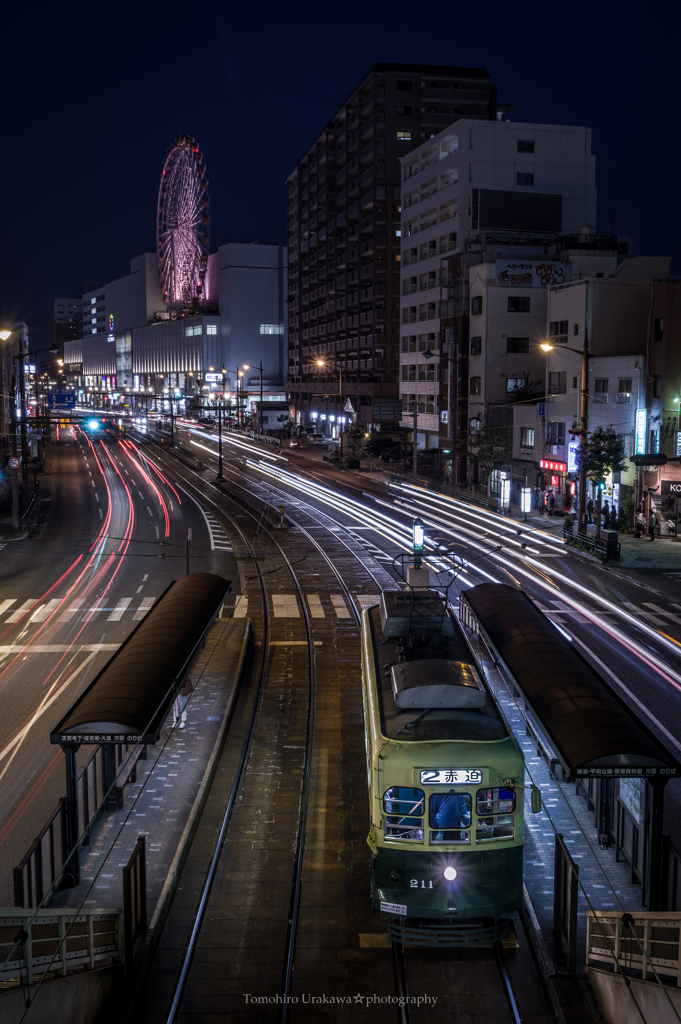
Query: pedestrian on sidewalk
x,y
640,525
589,510
652,523
180,704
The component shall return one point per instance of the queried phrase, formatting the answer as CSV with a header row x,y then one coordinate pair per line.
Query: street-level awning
x,y
590,728
129,700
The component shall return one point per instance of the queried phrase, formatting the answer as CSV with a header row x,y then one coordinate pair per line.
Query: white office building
x,y
479,192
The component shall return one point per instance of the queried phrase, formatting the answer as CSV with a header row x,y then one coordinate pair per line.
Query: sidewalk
x,y
165,803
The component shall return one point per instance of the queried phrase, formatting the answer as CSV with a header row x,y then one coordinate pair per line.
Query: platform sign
x,y
61,399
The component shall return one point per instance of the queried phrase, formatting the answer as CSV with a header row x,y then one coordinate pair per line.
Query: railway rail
x,y
319,534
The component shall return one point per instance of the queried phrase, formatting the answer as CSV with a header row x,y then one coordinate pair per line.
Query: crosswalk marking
x,y
15,616
4,605
45,610
316,610
367,600
143,608
340,606
285,606
71,611
118,611
241,607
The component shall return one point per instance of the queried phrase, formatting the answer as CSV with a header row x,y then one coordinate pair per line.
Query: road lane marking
x,y
340,606
45,610
143,608
15,616
241,606
285,606
118,611
316,610
54,648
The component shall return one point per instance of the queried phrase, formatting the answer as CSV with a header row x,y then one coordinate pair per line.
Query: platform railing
x,y
57,941
653,948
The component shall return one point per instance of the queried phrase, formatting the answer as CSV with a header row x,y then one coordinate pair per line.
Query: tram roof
x,y
129,699
591,729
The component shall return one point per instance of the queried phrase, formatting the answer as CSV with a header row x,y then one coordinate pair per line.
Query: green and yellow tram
x,y
444,774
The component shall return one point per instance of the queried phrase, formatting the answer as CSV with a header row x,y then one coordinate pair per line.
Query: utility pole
x,y
220,476
415,441
584,427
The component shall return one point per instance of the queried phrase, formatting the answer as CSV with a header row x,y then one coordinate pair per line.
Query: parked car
x,y
378,445
317,439
394,454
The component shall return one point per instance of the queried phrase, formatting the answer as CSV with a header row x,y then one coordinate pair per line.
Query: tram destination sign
x,y
451,776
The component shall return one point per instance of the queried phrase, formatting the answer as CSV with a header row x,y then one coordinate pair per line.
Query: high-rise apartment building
x,y
68,320
344,238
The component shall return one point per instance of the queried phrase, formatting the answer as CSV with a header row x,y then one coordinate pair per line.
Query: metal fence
x,y
44,860
135,899
609,935
606,547
57,941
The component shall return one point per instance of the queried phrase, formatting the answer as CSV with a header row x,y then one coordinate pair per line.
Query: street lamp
x,y
547,346
418,541
328,362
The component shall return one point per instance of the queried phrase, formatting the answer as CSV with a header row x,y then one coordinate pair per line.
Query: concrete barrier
x,y
616,999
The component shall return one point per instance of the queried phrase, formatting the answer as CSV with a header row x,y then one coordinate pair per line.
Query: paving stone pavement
x,y
606,882
158,805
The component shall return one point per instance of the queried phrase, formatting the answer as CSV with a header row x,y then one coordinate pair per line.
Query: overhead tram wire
x,y
398,954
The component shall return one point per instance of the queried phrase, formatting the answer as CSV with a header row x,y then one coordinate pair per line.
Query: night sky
x,y
93,94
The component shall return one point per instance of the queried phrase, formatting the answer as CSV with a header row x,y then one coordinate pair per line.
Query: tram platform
x,y
164,804
606,881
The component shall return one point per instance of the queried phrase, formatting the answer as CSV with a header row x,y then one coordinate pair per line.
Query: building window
x,y
624,391
526,145
654,442
404,136
476,305
195,329
558,382
575,329
518,305
515,382
659,329
523,178
213,329
476,386
657,386
574,383
404,84
518,345
527,437
601,389
555,433
404,111
476,346
271,329
559,330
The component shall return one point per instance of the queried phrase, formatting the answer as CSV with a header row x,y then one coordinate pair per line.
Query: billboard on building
x,y
531,273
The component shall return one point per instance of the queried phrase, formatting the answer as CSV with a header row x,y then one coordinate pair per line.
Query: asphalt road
x,y
69,595
628,626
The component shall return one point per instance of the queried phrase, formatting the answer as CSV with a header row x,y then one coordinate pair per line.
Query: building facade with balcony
x,y
344,237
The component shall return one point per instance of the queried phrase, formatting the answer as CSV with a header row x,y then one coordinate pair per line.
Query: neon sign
x,y
641,421
558,467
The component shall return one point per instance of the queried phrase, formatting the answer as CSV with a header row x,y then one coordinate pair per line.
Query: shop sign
x,y
641,420
670,487
531,273
573,452
677,444
557,467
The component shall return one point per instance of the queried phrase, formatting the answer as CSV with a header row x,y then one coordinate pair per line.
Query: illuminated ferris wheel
x,y
183,225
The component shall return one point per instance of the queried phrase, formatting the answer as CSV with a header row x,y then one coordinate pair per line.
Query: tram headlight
x,y
450,874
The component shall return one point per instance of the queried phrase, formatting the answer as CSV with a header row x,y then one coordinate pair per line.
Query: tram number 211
x,y
414,884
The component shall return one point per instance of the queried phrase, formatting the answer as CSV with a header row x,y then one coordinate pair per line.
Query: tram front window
x,y
450,817
494,808
404,813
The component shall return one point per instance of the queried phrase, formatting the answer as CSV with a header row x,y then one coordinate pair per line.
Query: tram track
x,y
296,890
398,960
